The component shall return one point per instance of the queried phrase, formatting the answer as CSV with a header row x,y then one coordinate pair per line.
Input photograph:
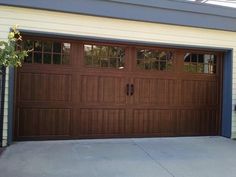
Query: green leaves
x,y
11,53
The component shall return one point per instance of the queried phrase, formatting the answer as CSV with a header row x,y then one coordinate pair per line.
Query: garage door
x,y
80,89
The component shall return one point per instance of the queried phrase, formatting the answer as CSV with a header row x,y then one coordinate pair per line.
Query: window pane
x,y
37,57
207,59
38,46
104,56
163,65
57,47
28,45
140,54
186,67
162,56
66,48
88,60
211,59
28,59
56,59
47,46
47,52
187,57
104,62
147,65
114,62
47,58
201,68
154,60
194,58
201,58
200,63
206,68
192,68
156,65
214,58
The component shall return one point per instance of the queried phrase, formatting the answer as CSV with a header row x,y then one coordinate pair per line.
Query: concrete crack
x,y
155,161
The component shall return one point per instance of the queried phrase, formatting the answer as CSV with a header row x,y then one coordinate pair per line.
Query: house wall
x,y
179,12
5,112
91,26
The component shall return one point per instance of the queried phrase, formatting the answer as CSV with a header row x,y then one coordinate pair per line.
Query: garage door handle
x,y
132,89
127,89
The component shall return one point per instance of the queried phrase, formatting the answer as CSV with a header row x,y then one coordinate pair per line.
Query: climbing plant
x,y
11,52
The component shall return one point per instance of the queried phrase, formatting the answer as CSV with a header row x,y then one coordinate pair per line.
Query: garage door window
x,y
47,52
200,63
154,60
104,56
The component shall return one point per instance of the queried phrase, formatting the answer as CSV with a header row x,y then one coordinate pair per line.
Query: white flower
x,y
2,47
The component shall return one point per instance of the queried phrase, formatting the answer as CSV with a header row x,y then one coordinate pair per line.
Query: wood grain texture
x,y
44,86
77,101
102,89
43,122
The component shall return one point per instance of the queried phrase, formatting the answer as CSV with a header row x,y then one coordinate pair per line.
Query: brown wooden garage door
x,y
75,89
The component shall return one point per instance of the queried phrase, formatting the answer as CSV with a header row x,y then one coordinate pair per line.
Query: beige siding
x,y
75,24
3,36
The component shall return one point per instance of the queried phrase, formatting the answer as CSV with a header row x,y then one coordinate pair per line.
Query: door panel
x,y
154,122
199,92
102,89
44,86
43,122
101,122
197,122
156,91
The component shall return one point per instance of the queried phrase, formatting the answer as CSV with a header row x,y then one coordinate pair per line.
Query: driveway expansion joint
x,y
154,160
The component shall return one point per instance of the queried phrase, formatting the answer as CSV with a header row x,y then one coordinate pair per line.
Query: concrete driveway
x,y
153,157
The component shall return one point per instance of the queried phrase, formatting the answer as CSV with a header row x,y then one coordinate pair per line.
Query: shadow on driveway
x,y
1,150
